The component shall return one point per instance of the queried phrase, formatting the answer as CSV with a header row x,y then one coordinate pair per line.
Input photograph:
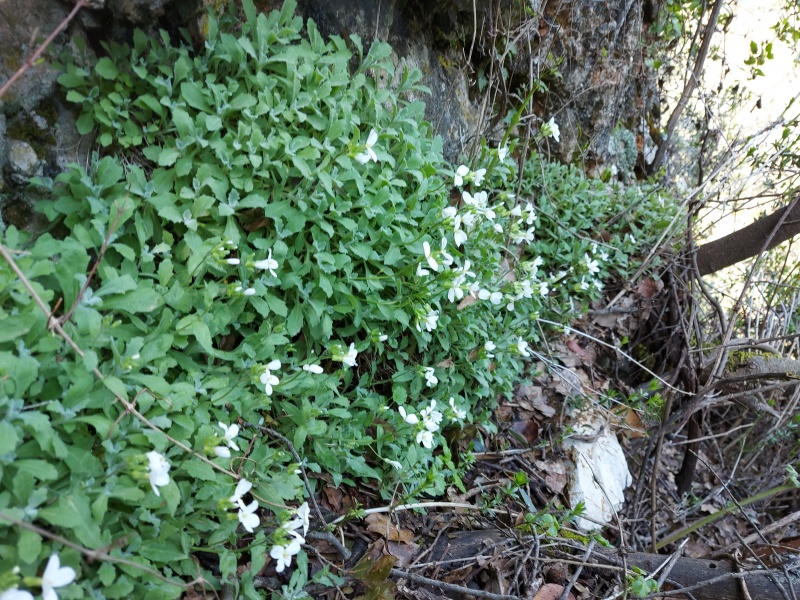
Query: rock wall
x,y
478,59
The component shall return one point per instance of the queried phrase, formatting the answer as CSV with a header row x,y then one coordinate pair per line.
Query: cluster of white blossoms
x,y
228,435
247,512
54,576
430,377
268,378
288,539
592,266
346,358
428,421
222,255
157,471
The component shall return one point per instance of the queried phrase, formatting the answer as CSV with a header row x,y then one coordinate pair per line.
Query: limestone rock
x,y
23,161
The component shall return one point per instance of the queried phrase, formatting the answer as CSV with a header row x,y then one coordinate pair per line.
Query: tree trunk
x,y
748,242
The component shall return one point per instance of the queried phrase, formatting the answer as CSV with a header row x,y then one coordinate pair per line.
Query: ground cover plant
x,y
269,273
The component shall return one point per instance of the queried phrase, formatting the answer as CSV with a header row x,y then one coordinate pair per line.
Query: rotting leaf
x,y
381,524
649,287
533,396
373,571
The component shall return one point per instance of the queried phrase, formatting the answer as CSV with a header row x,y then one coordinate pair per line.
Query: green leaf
x,y
106,68
29,546
72,512
295,321
40,469
168,156
199,470
144,299
8,437
277,305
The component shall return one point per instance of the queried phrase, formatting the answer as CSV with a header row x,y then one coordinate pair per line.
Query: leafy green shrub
x,y
276,259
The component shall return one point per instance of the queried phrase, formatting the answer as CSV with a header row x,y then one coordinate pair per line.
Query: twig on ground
x,y
327,536
587,555
449,587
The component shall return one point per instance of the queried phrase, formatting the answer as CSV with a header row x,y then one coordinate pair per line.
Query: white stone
x,y
22,159
599,472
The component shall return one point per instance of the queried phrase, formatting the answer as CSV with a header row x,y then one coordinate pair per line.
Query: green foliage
x,y
641,584
274,249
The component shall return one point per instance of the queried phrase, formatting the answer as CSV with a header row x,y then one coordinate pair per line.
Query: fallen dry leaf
x,y
404,553
381,524
334,497
649,287
551,591
528,429
586,354
555,474
533,397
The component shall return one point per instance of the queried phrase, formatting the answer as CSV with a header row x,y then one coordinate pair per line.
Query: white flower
x,y
544,289
232,261
230,433
498,228
301,520
502,153
245,292
522,347
369,153
551,129
459,235
460,414
158,473
247,516
383,337
450,212
55,576
516,211
455,292
603,255
584,285
430,377
447,260
531,214
269,380
430,320
316,369
242,488
268,264
409,418
431,417
283,554
425,438
422,271
15,594
479,175
461,172
496,297
489,347
349,359
222,452
426,249
394,463
592,265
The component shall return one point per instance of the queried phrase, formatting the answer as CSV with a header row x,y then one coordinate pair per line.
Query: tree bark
x,y
749,241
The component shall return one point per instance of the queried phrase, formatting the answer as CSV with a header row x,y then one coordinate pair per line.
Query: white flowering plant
x,y
267,251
